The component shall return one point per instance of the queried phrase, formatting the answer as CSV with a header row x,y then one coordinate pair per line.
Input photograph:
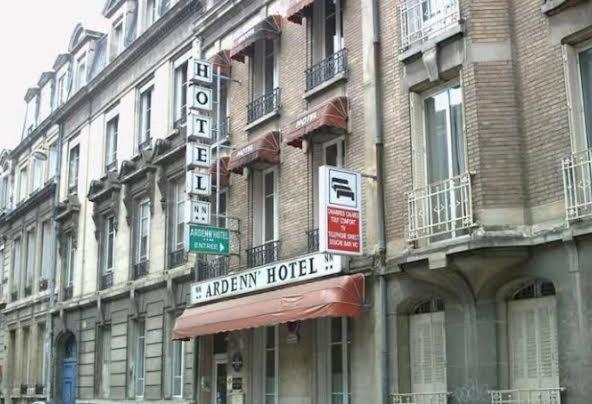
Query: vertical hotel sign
x,y
340,216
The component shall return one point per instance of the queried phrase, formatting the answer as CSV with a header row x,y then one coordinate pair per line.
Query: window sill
x,y
416,50
265,118
341,77
552,7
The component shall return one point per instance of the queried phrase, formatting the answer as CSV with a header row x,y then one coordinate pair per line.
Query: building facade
x,y
469,121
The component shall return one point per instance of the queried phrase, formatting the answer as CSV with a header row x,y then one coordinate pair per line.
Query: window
x,y
26,358
5,192
104,362
80,80
15,277
271,365
327,29
140,358
339,359
149,13
221,98
23,187
143,232
45,101
145,118
31,254
62,90
108,245
111,144
73,162
334,153
38,174
178,364
117,42
180,94
269,206
585,62
46,249
69,262
2,298
263,72
178,215
53,161
41,377
31,117
222,207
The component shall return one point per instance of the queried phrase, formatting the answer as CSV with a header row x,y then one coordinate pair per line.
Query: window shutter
x,y
428,352
547,342
417,141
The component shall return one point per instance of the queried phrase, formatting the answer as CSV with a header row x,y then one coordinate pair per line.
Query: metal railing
x,y
209,268
263,254
141,269
177,258
326,69
13,296
266,104
39,389
312,237
444,208
224,134
527,396
420,398
68,292
424,19
43,284
28,290
577,184
106,280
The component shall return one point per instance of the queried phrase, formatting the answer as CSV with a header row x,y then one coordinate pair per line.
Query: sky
x,y
32,34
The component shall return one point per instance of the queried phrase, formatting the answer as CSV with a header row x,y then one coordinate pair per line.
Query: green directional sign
x,y
209,240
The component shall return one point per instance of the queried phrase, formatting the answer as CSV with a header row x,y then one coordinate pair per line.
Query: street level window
x,y
41,376
334,153
73,165
104,362
178,365
26,363
272,365
339,360
140,358
112,130
180,92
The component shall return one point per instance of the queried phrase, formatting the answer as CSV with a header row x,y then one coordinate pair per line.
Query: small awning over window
x,y
261,153
269,28
298,9
224,174
327,120
222,60
333,297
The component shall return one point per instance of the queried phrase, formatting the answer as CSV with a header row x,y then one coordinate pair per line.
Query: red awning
x,y
298,9
222,60
333,297
223,171
269,28
331,116
260,153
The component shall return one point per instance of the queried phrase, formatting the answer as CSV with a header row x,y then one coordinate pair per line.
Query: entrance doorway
x,y
220,394
69,366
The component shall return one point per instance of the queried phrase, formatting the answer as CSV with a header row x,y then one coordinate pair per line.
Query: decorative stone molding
x,y
67,215
138,177
430,61
105,195
169,155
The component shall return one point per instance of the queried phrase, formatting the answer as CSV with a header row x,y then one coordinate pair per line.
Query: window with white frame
x,y
117,39
150,13
73,165
23,186
178,215
339,360
271,365
69,262
108,245
52,163
5,192
46,248
180,77
111,132
145,116
31,115
334,153
177,366
263,68
38,173
31,255
104,362
26,358
15,276
62,89
41,375
140,358
45,101
80,76
143,232
578,61
269,206
327,29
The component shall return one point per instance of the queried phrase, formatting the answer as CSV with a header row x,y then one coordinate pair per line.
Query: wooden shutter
x,y
533,343
428,352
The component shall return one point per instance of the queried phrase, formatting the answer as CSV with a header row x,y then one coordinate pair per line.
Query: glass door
x,y
220,393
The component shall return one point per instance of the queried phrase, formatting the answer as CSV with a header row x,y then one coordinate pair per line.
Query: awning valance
x,y
269,28
333,297
223,171
330,116
222,60
297,9
260,153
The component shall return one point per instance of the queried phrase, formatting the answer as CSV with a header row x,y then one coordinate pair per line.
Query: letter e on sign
x,y
202,71
202,98
198,155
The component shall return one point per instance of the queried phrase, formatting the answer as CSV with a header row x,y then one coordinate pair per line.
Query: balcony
x,y
264,105
39,389
441,210
223,135
422,20
527,396
326,70
13,296
420,398
28,290
23,389
141,269
106,280
212,268
263,254
577,185
177,258
68,292
312,237
43,284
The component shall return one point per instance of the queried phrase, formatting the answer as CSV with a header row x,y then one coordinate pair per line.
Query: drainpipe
x,y
51,281
381,304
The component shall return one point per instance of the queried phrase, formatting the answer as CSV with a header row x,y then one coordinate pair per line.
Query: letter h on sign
x,y
202,71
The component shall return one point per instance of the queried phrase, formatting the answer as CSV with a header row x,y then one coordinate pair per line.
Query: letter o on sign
x,y
202,98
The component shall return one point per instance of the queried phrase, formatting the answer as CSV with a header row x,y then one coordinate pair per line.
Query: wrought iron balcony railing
x,y
326,69
527,396
68,292
28,290
106,280
223,135
212,268
24,389
263,254
577,185
313,240
13,296
266,104
420,398
141,269
422,20
43,284
39,389
443,209
177,258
